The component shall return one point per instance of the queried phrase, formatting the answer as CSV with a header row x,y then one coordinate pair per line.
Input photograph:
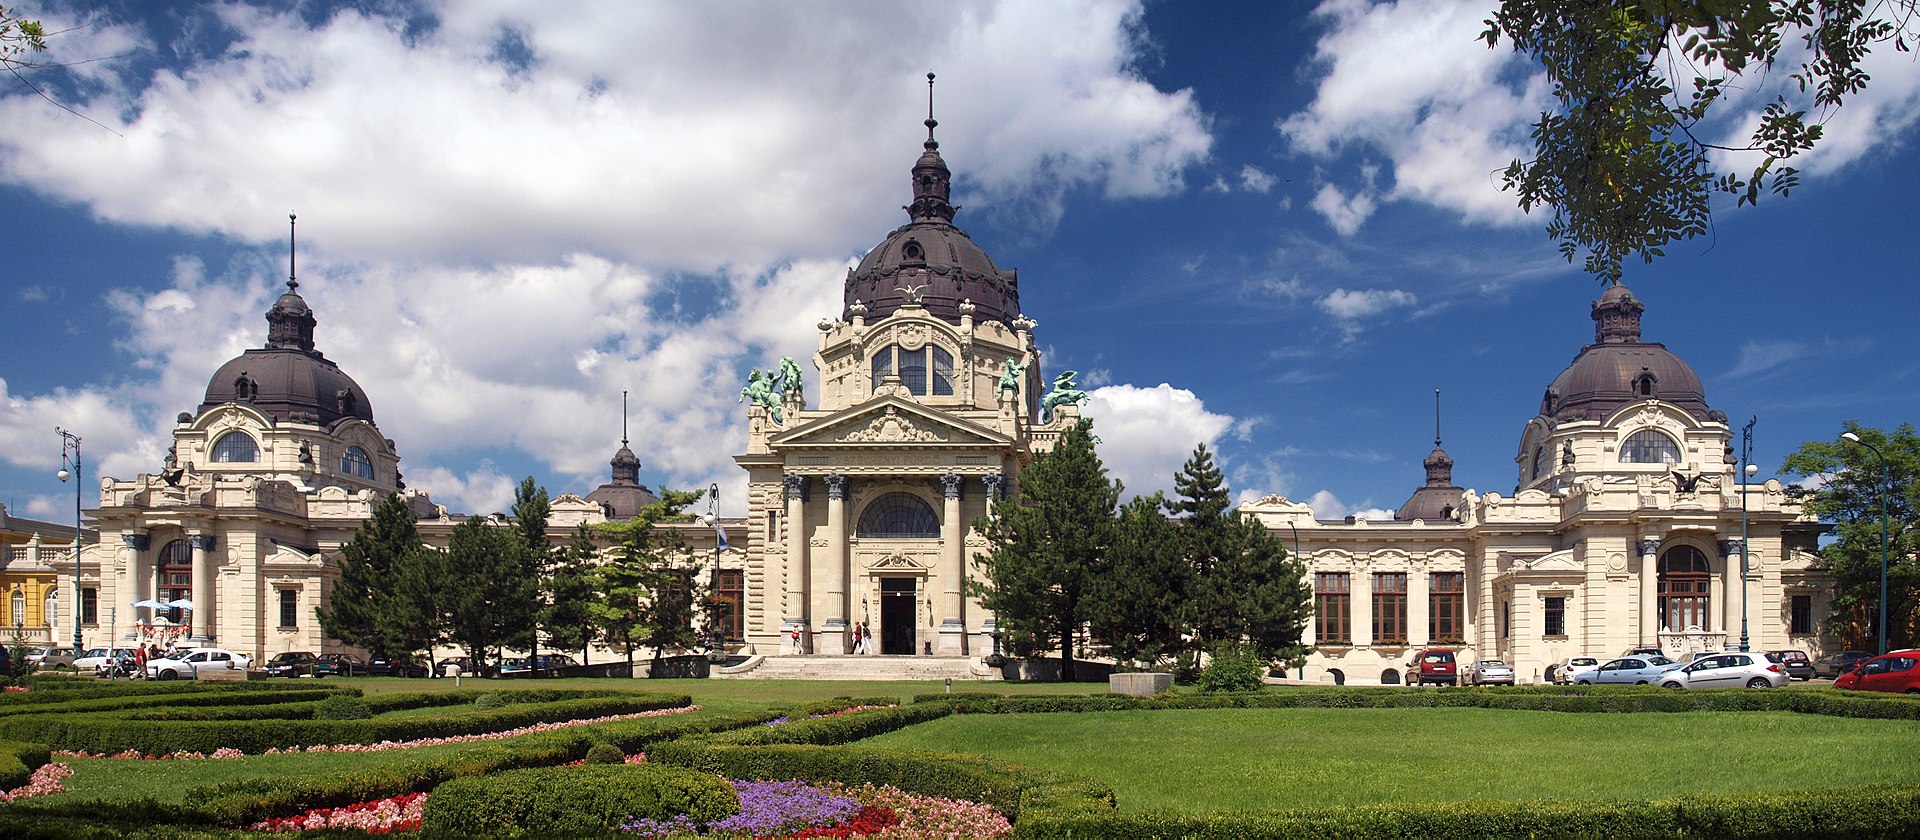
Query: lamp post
x,y
1883,533
70,457
717,639
1747,469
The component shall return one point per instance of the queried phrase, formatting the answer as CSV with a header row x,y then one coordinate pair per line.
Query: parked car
x,y
515,664
1893,672
466,666
1727,670
1629,670
1698,655
338,665
186,664
49,657
1435,665
293,664
396,666
96,659
1643,650
1833,665
1490,672
1569,669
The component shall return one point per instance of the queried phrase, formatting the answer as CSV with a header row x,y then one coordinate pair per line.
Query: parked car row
x,y
1894,672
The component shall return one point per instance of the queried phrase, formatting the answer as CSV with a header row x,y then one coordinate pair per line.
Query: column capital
x,y
836,486
996,484
202,542
796,485
135,541
950,484
1649,547
1731,546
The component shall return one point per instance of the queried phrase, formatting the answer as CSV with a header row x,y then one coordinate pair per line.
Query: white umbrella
x,y
182,604
150,604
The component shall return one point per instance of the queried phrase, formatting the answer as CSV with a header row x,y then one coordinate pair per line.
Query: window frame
x,y
1446,607
358,467
1553,616
1389,596
1333,608
1649,446
226,448
919,514
289,609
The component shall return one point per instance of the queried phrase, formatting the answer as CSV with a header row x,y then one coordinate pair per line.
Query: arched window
x,y
50,611
1542,462
1648,446
899,515
1390,677
920,377
1684,575
235,448
176,576
356,462
19,607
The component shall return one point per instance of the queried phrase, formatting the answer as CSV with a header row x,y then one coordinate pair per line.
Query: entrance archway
x,y
899,609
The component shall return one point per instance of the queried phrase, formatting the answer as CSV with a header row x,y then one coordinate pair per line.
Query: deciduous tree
x,y
1842,485
490,601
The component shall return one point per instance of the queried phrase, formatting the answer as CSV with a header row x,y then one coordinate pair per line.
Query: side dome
x,y
1619,368
288,379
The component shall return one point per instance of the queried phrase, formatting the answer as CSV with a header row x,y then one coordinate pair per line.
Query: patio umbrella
x,y
181,604
150,604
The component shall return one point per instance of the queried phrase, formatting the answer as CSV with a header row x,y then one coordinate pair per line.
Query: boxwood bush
x,y
583,801
18,761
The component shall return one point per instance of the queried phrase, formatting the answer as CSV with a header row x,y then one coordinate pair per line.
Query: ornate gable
x,y
888,421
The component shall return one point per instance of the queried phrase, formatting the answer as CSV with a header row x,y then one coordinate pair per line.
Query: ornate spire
x,y
626,465
1616,317
1439,465
290,322
932,181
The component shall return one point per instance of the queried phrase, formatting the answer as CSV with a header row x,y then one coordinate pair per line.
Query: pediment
x,y
888,421
1559,561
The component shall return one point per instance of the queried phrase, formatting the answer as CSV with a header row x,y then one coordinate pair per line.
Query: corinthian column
x,y
1649,592
202,624
794,611
953,538
830,602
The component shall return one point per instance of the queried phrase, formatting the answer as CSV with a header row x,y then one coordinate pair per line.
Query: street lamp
x,y
717,638
1747,469
70,457
1883,533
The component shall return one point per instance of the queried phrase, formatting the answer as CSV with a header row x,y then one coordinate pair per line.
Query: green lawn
x,y
1221,760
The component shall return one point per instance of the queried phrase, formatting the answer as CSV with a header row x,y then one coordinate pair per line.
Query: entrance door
x,y
898,606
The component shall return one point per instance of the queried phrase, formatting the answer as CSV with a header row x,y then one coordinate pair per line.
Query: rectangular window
x,y
1802,616
773,527
1332,600
1556,620
89,605
730,590
1447,606
289,608
1389,608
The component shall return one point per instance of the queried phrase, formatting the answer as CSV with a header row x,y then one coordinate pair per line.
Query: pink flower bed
x,y
44,781
385,816
383,746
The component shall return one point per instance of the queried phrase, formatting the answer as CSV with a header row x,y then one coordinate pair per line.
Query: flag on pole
x,y
719,534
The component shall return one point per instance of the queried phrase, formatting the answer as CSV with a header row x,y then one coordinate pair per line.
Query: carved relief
x,y
893,428
898,561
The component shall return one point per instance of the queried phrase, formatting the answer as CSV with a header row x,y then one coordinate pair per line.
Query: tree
x,y
1047,546
1245,591
1139,607
489,599
1619,160
531,507
19,38
568,615
362,609
1843,486
648,587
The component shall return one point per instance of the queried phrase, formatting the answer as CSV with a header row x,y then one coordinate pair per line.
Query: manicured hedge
x,y
18,761
186,695
585,801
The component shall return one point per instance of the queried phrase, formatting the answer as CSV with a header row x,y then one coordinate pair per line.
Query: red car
x,y
1893,672
1435,665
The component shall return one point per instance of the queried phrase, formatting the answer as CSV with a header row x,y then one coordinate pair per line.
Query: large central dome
x,y
930,260
289,380
1619,368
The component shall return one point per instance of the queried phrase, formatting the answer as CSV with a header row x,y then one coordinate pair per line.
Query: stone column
x,y
133,550
1649,591
794,611
203,598
1362,606
1419,582
1729,580
953,538
995,485
830,599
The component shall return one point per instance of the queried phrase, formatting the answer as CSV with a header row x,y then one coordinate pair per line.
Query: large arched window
x,y
356,462
235,448
1649,447
1542,461
899,515
926,371
176,576
1684,575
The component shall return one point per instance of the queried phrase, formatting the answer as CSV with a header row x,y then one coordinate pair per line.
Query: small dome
x,y
1439,499
288,379
1619,368
623,496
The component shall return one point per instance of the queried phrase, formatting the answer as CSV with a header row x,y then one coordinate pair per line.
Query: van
x,y
1437,666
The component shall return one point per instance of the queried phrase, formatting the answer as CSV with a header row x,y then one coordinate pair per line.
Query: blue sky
x,y
1272,227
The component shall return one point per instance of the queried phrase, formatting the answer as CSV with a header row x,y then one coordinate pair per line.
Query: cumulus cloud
x,y
1364,303
1252,179
1147,433
1328,506
1344,212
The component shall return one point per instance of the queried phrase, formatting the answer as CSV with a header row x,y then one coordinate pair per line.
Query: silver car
x,y
188,663
1569,671
1727,670
1629,670
1490,672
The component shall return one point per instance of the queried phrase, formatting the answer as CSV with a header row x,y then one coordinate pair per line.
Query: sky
x,y
1273,228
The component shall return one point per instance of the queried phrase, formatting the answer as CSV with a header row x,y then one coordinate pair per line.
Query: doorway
x,y
899,605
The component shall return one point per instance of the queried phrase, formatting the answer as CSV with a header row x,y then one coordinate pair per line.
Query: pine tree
x,y
1139,607
568,617
647,589
361,597
1245,591
1047,546
531,507
489,600
1207,538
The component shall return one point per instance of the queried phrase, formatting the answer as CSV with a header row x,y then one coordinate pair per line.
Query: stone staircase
x,y
956,668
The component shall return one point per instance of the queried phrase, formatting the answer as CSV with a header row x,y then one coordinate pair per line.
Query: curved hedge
x,y
18,761
584,801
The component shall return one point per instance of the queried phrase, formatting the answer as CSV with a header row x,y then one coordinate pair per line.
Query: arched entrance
x,y
899,609
1391,676
1685,577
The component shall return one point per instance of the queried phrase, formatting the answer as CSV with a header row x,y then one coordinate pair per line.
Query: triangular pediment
x,y
888,421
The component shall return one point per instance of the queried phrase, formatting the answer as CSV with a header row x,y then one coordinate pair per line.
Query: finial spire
x,y
293,284
623,417
931,122
1436,418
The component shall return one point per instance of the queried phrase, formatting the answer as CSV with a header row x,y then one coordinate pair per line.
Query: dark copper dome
x,y
1619,368
931,257
289,380
1439,499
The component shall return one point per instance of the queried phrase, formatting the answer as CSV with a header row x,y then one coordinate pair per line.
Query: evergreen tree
x,y
1207,538
568,616
647,589
357,610
1048,545
490,602
531,507
1138,608
1845,490
1245,591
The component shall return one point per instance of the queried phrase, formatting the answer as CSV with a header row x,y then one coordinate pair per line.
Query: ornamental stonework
x,y
893,428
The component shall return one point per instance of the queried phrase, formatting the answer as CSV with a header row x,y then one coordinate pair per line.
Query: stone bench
x,y
1139,685
223,675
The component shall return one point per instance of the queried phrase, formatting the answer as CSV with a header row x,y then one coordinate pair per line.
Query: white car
x,y
1629,670
97,658
1569,670
187,663
1727,670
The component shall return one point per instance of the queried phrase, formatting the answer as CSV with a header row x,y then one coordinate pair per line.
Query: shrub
x,y
1233,668
490,700
590,800
604,753
342,707
18,761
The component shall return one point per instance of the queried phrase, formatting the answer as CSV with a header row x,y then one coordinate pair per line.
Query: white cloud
x,y
1147,433
1328,506
1254,180
1363,303
1346,213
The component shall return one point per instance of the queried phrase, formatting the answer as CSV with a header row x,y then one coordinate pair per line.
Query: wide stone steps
x,y
956,668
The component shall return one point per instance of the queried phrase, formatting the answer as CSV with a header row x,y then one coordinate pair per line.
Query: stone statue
x,y
759,391
1010,378
1063,393
791,384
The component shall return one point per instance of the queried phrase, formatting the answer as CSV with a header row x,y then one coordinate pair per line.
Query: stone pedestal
x,y
952,640
1139,685
835,639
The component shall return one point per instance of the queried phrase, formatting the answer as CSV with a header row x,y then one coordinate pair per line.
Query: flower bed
x,y
835,713
44,781
797,810
383,746
384,816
